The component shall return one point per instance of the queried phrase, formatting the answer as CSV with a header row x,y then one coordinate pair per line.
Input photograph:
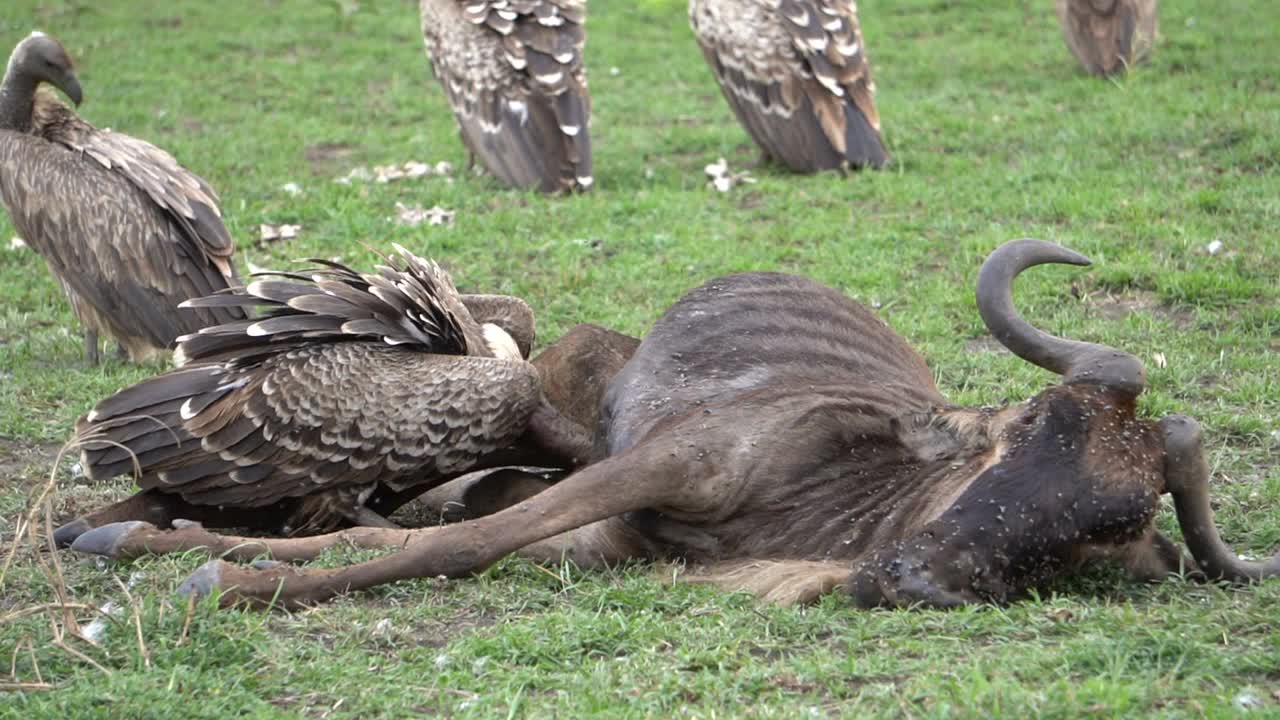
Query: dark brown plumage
x,y
1108,36
128,232
347,384
796,74
513,73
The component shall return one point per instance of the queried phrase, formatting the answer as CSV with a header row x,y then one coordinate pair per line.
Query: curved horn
x,y
1186,476
1076,361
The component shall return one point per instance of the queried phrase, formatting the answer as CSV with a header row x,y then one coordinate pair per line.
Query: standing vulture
x,y
1107,36
346,385
128,232
795,72
513,72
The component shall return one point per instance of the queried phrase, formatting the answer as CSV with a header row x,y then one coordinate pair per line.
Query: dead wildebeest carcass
x,y
779,437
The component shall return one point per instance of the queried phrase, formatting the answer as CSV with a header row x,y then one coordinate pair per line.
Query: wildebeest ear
x,y
944,432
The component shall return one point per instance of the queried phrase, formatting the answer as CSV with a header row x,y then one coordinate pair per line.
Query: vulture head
x,y
40,58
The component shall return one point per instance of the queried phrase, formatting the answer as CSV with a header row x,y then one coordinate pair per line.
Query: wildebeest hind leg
x,y
651,474
161,509
131,539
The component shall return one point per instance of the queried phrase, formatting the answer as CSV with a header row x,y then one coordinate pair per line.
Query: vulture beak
x,y
71,86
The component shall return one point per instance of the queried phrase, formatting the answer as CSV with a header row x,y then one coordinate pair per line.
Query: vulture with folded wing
x,y
344,385
796,74
514,75
1108,36
127,231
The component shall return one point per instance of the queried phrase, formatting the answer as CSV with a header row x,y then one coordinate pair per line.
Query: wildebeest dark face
x,y
1067,473
1070,469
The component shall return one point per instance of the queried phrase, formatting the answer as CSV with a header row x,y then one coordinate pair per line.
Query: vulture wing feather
x,y
347,382
796,74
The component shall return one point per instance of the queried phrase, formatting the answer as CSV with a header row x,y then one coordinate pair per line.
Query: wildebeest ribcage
x,y
778,436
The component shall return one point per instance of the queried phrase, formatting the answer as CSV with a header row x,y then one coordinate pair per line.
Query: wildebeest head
x,y
1071,473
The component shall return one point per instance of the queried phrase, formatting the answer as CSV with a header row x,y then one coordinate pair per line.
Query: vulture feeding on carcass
x,y
1108,36
345,391
796,74
513,73
128,232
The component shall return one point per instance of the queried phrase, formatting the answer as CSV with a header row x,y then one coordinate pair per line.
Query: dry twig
x,y
137,621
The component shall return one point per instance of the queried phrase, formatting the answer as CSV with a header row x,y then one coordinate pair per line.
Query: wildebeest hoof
x,y
108,539
204,581
65,535
265,564
181,524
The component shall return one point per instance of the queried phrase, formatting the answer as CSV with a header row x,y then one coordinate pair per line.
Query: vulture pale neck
x,y
17,94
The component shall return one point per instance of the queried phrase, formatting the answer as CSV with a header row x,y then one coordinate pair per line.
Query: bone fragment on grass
x,y
720,178
384,174
416,215
272,233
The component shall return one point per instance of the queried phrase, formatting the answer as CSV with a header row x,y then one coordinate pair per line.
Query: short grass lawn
x,y
1168,178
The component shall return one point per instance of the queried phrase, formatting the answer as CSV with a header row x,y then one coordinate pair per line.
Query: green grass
x,y
995,135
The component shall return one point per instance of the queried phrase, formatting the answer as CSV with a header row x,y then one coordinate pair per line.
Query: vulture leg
x,y
92,353
364,517
658,473
764,159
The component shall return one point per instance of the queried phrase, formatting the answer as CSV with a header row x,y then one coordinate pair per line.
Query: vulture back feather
x,y
796,74
127,231
514,75
342,383
409,302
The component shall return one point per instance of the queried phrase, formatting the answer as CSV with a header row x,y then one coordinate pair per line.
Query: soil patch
x,y
1117,306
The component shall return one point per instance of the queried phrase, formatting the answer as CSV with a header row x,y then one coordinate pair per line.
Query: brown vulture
x,y
342,387
1107,36
128,232
796,74
514,75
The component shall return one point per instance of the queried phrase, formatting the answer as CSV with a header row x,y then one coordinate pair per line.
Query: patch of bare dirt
x,y
22,464
985,344
323,156
1117,306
